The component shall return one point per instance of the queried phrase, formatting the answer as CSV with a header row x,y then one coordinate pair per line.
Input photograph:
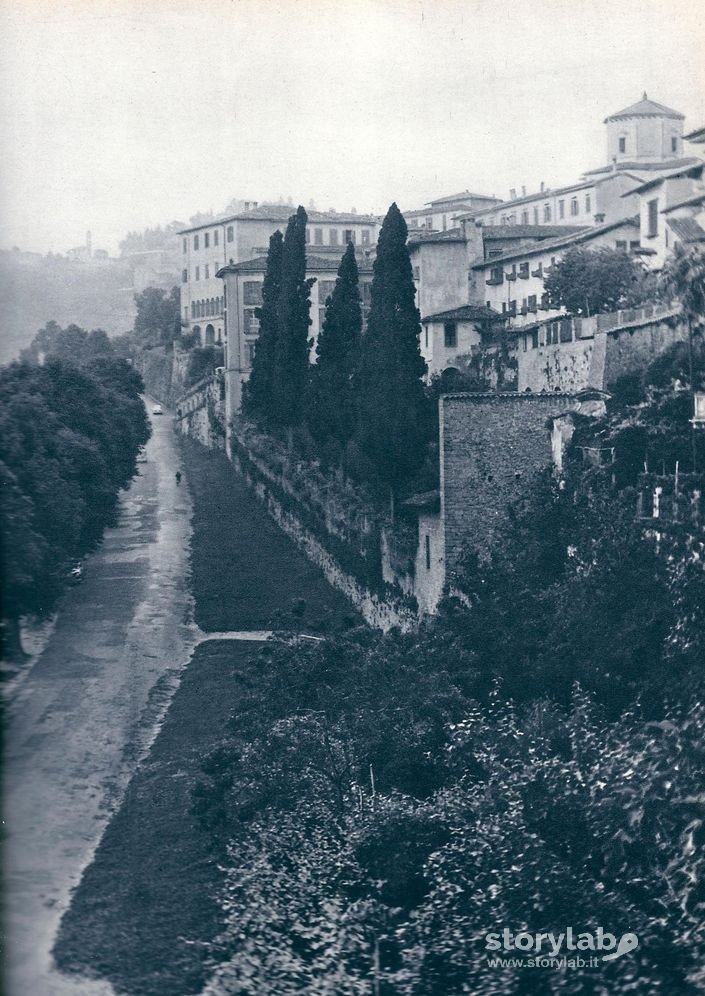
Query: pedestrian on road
x,y
178,477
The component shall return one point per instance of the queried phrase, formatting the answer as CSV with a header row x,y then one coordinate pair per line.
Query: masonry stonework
x,y
491,444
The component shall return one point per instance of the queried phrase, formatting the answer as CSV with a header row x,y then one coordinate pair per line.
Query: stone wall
x,y
491,445
164,373
200,412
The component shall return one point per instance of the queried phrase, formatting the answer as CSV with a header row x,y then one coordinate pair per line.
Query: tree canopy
x,y
588,281
332,409
258,394
69,437
158,319
393,407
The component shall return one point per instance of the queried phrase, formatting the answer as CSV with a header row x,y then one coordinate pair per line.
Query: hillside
x,y
45,288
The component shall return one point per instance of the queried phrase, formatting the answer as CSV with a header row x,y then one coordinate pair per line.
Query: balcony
x,y
495,281
538,272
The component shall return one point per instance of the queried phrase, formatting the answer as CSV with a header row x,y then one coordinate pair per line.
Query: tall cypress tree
x,y
292,346
332,401
393,406
258,394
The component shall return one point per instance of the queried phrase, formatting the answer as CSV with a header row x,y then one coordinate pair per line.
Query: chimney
x,y
512,193
523,190
542,186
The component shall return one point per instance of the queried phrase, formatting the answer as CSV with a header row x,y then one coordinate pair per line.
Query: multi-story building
x,y
438,215
242,291
206,248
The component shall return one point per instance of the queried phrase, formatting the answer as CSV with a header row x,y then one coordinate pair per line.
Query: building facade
x,y
208,247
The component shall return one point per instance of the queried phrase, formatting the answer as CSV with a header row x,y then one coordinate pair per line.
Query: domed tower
x,y
646,132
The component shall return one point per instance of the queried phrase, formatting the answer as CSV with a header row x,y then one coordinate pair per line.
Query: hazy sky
x,y
118,114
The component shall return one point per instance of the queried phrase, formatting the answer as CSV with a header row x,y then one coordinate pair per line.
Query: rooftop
x,y
538,195
639,167
694,199
496,233
687,230
465,313
282,212
693,169
695,136
529,249
459,198
450,235
646,108
314,264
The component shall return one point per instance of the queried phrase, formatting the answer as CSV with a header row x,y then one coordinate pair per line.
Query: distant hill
x,y
35,289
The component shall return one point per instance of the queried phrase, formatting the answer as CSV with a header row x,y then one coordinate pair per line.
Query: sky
x,y
122,114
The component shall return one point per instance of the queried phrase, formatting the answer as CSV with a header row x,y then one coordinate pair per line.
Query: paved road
x,y
89,709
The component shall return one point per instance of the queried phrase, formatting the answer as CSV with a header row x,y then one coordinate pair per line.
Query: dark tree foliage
x,y
158,320
72,344
202,363
69,437
332,396
293,344
393,407
588,281
258,394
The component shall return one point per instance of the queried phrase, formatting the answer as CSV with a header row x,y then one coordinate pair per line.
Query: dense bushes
x,y
69,438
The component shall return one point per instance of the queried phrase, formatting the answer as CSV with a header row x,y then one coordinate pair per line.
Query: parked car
x,y
157,410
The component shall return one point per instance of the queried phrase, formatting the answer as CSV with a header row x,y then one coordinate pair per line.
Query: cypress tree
x,y
292,345
332,403
393,406
258,394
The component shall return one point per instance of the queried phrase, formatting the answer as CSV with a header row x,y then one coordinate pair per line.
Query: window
x,y
333,236
186,313
524,271
621,244
574,206
450,335
512,219
547,212
623,144
348,236
674,143
195,242
198,273
185,245
250,349
193,309
427,545
652,230
365,236
184,276
525,217
429,221
251,322
536,216
561,209
216,236
318,236
587,203
207,273
206,240
445,223
231,233
634,245
308,236
532,305
417,273
512,309
496,275
252,293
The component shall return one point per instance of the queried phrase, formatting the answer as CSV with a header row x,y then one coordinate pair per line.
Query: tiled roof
x,y
694,169
686,202
450,235
465,313
537,196
687,229
314,264
585,235
642,167
459,198
495,233
646,108
695,136
282,212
